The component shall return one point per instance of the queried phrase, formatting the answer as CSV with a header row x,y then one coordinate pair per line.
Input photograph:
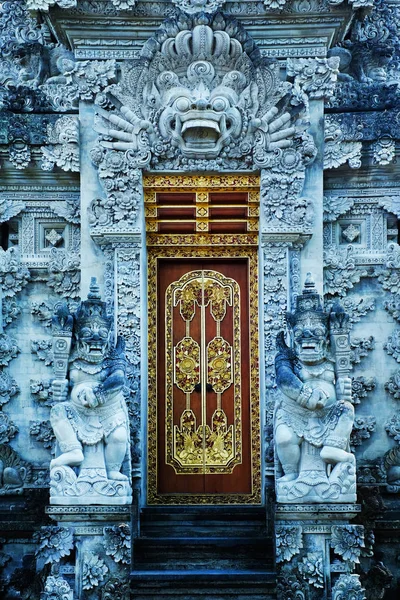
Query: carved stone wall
x,y
218,87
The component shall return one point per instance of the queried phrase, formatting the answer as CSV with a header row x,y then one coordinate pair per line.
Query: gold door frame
x,y
164,250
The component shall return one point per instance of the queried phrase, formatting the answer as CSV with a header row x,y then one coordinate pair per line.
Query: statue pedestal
x,y
316,547
318,482
102,542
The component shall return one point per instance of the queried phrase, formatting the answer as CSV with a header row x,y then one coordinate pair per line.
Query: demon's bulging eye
x,y
182,104
219,104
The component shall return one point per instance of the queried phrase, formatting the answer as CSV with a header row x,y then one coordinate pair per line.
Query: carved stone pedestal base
x,y
99,567
316,549
316,486
91,487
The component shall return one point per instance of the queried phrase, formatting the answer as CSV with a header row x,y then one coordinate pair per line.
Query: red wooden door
x,y
204,425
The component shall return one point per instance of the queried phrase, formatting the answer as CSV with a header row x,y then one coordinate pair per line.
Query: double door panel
x,y
204,395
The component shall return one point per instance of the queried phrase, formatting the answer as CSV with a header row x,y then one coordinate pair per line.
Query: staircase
x,y
221,553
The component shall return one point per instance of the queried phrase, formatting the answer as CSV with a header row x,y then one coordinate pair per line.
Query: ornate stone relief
x,y
360,348
56,588
368,61
384,150
360,386
316,77
118,543
362,428
340,270
62,148
43,349
306,375
42,392
54,542
13,274
8,429
393,385
337,150
289,541
16,472
64,274
347,541
214,105
311,569
8,387
335,206
207,6
45,4
43,432
392,346
348,587
94,571
124,195
8,349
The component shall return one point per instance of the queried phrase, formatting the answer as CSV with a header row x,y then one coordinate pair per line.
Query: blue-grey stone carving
x,y
314,418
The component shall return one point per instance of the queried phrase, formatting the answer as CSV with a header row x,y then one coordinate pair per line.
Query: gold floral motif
x,y
187,364
219,367
187,297
194,240
198,182
189,440
219,442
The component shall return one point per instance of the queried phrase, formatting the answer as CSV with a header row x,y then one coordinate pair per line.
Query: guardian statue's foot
x,y
117,476
330,454
73,458
288,477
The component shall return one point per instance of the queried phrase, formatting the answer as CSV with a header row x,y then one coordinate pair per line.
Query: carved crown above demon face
x,y
200,90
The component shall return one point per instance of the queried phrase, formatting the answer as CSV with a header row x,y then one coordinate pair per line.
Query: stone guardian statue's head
x,y
309,325
92,327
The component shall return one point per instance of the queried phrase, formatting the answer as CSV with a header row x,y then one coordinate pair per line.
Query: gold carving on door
x,y
203,442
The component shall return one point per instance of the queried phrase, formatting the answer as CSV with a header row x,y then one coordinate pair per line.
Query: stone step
x,y
203,585
203,521
217,553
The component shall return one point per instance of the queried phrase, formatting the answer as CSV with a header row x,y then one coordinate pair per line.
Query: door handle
x,y
197,387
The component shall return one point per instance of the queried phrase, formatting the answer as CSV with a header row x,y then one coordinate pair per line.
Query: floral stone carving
x,y
56,588
347,541
8,429
360,386
314,418
348,587
91,426
62,149
43,432
384,150
393,385
64,274
362,428
340,270
312,569
8,349
93,571
392,345
13,275
289,541
43,349
207,6
118,543
14,471
8,387
360,348
54,542
337,150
